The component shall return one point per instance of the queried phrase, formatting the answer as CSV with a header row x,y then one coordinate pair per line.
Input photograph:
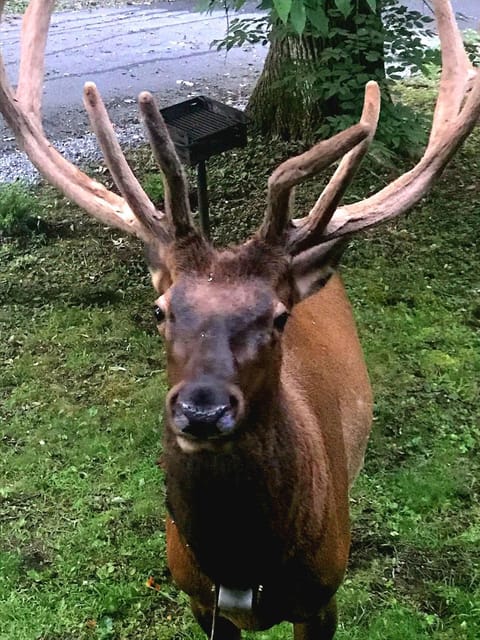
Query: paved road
x,y
162,47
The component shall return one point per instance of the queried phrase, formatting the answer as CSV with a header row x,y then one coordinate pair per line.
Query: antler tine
x,y
307,232
298,169
177,206
32,58
456,69
454,118
123,176
22,112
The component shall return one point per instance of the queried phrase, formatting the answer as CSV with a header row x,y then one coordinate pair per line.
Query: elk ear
x,y
312,269
159,272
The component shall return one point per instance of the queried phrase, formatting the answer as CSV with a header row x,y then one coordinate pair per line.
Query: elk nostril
x,y
179,418
203,422
203,414
203,411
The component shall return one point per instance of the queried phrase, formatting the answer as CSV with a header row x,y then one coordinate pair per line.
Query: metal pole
x,y
202,190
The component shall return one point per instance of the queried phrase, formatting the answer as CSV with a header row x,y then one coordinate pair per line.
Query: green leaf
x,y
373,5
318,19
344,6
298,16
282,7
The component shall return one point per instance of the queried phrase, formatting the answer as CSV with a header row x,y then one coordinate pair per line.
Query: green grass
x,y
19,210
81,392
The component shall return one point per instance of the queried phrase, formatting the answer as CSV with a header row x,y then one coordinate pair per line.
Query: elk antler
x,y
354,140
455,116
456,113
134,212
176,192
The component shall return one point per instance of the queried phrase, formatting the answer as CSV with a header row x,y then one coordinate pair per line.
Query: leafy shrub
x,y
354,45
471,40
16,6
153,185
18,209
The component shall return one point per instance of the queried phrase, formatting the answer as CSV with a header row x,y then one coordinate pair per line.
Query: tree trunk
x,y
282,101
287,100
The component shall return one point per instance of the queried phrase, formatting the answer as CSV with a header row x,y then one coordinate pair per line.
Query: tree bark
x,y
281,102
285,100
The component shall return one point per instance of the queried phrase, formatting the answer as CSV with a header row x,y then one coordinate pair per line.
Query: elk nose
x,y
204,410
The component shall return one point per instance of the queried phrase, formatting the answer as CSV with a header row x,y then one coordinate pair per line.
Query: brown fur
x,y
270,505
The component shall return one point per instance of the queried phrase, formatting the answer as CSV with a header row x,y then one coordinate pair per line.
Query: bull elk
x,y
269,408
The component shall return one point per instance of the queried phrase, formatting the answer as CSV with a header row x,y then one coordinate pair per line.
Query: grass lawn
x,y
81,392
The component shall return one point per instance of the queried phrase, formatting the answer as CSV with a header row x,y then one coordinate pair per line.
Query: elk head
x,y
222,323
223,313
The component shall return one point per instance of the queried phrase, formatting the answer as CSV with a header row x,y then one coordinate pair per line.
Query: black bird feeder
x,y
201,128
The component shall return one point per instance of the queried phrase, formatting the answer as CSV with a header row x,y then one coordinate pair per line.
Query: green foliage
x,y
16,6
352,47
401,131
405,32
245,31
471,40
352,56
298,16
288,11
283,8
19,209
345,7
402,31
153,185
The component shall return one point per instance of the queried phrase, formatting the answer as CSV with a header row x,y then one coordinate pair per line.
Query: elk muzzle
x,y
204,409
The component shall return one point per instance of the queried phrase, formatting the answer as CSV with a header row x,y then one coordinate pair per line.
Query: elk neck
x,y
241,508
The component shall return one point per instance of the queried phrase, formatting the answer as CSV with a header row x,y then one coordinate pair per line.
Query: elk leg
x,y
224,629
322,627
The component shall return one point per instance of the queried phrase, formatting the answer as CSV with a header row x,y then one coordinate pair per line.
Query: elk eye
x,y
159,313
280,320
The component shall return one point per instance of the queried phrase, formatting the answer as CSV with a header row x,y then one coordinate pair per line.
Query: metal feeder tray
x,y
200,128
